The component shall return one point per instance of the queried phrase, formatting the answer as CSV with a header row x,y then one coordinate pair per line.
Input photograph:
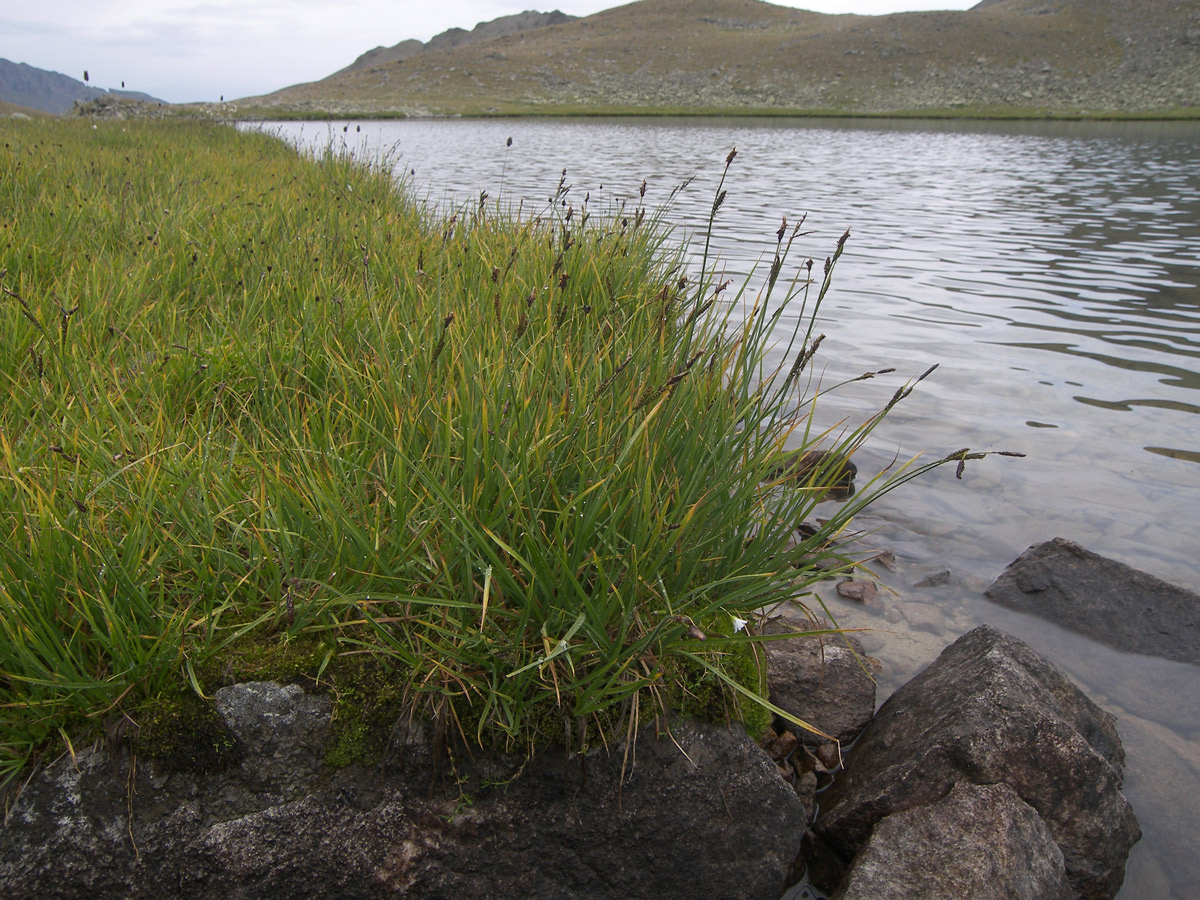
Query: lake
x,y
1051,270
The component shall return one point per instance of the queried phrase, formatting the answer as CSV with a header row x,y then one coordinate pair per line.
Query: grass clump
x,y
519,465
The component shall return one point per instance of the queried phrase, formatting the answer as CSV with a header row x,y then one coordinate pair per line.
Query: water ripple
x,y
1053,269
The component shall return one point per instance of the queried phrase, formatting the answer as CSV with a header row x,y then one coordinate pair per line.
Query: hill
x,y
455,37
1002,57
16,111
52,92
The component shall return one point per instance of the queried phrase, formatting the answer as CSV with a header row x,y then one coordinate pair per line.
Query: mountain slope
x,y
455,37
13,110
52,92
1003,56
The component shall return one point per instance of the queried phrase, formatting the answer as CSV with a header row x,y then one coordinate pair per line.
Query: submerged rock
x,y
1103,599
832,470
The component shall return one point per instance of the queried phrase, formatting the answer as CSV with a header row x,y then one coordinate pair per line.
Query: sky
x,y
201,50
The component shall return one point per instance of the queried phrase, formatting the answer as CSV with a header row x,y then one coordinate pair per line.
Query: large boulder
x,y
990,710
699,812
1105,600
982,842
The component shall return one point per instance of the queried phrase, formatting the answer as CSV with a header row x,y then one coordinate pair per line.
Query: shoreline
x,y
108,107
1185,114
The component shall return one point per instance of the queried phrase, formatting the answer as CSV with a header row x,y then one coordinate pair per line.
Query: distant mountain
x,y
1000,58
51,92
454,37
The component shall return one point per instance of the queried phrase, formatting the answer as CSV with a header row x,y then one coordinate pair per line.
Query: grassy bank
x,y
263,416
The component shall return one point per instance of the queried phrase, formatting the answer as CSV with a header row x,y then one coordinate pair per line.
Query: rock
x,y
989,710
923,616
700,813
1105,600
1164,767
1167,691
823,467
281,730
806,787
861,591
820,863
822,679
933,579
885,558
981,842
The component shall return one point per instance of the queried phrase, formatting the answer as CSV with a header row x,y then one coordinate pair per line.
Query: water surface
x,y
1051,270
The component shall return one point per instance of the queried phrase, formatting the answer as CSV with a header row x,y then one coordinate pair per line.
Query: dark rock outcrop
x,y
982,842
1105,600
699,813
989,710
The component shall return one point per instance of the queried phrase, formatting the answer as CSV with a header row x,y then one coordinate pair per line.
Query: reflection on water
x,y
1052,269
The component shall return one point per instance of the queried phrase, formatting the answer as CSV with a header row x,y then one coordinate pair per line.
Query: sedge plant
x,y
519,464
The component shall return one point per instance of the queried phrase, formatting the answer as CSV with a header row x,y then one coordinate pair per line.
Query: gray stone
x,y
821,679
861,591
981,842
1105,600
702,812
282,731
923,616
1164,771
990,710
933,579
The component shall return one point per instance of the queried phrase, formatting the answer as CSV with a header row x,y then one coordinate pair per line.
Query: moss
x,y
367,697
282,658
706,696
186,733
368,701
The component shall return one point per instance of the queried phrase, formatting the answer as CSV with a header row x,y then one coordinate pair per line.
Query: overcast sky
x,y
182,50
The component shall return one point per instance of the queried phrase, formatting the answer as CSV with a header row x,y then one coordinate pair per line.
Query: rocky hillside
x,y
1003,57
455,37
53,92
